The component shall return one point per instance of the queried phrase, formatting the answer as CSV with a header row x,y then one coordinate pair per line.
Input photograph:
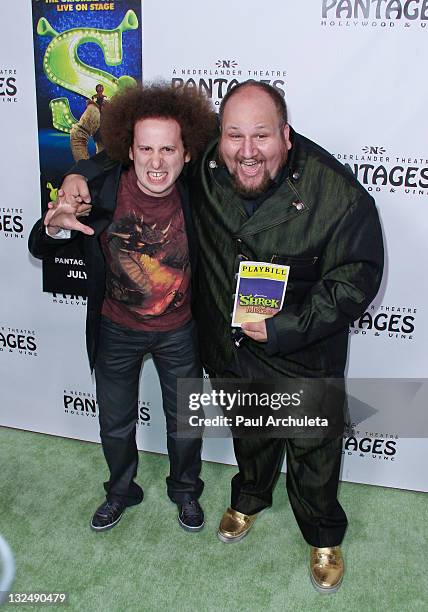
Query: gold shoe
x,y
326,568
234,525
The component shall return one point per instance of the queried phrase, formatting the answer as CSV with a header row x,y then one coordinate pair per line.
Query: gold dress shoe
x,y
326,569
234,525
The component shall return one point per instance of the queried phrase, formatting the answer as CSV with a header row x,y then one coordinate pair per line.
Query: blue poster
x,y
84,52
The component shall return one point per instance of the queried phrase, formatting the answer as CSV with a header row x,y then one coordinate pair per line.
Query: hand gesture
x,y
81,210
62,215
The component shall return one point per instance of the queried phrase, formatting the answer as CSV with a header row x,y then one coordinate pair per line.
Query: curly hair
x,y
191,110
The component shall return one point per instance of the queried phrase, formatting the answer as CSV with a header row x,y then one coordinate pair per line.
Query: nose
x,y
156,160
248,149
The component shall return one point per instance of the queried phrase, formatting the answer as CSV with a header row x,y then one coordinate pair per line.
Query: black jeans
x,y
117,371
313,468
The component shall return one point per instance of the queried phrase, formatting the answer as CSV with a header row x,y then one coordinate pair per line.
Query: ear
x,y
131,154
187,157
286,134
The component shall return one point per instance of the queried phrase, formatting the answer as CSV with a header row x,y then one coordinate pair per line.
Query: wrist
x,y
52,230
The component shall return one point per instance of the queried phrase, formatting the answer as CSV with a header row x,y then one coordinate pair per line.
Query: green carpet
x,y
51,486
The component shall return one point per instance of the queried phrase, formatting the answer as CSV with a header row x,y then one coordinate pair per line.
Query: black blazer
x,y
103,181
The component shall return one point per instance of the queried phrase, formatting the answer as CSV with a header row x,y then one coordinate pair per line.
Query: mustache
x,y
239,158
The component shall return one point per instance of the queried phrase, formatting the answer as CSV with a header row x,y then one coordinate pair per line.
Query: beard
x,y
252,192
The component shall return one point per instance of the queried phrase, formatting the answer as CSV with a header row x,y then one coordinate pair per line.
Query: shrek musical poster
x,y
84,53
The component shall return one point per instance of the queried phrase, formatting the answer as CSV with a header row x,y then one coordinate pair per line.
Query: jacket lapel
x,y
284,206
104,193
188,222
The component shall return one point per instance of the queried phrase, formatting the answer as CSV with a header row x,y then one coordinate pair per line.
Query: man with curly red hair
x,y
139,250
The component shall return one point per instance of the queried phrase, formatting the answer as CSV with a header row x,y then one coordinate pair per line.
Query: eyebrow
x,y
259,126
147,144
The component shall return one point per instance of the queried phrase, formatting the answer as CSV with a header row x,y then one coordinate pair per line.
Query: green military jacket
x,y
322,223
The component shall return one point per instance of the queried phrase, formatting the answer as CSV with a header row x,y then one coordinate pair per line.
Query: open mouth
x,y
250,167
157,177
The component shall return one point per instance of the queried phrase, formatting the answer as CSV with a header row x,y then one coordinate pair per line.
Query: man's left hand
x,y
256,331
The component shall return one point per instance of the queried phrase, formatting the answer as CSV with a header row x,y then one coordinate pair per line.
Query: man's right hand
x,y
75,189
73,201
81,210
64,216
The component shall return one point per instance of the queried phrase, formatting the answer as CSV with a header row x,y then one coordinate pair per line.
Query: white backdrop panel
x,y
357,89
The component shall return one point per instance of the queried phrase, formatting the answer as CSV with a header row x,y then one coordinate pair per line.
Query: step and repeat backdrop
x,y
353,74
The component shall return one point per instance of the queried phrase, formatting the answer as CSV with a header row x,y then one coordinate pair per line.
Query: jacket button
x,y
298,205
296,176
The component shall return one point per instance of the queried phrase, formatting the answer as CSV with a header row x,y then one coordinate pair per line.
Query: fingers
x,y
55,209
75,189
256,331
49,216
81,228
80,209
67,198
58,202
64,216
253,335
83,210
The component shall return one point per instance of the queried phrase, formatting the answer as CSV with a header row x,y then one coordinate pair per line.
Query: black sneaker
x,y
191,516
107,515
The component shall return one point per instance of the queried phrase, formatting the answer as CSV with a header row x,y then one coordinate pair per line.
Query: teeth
x,y
249,163
157,177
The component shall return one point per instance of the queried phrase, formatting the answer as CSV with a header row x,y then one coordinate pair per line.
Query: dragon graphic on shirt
x,y
149,265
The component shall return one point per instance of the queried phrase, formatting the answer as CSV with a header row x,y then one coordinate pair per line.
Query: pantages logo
x,y
18,341
80,403
390,322
387,14
216,80
66,299
84,404
380,170
11,223
8,85
74,264
372,445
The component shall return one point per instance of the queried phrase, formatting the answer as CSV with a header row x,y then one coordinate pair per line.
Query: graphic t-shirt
x,y
147,260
